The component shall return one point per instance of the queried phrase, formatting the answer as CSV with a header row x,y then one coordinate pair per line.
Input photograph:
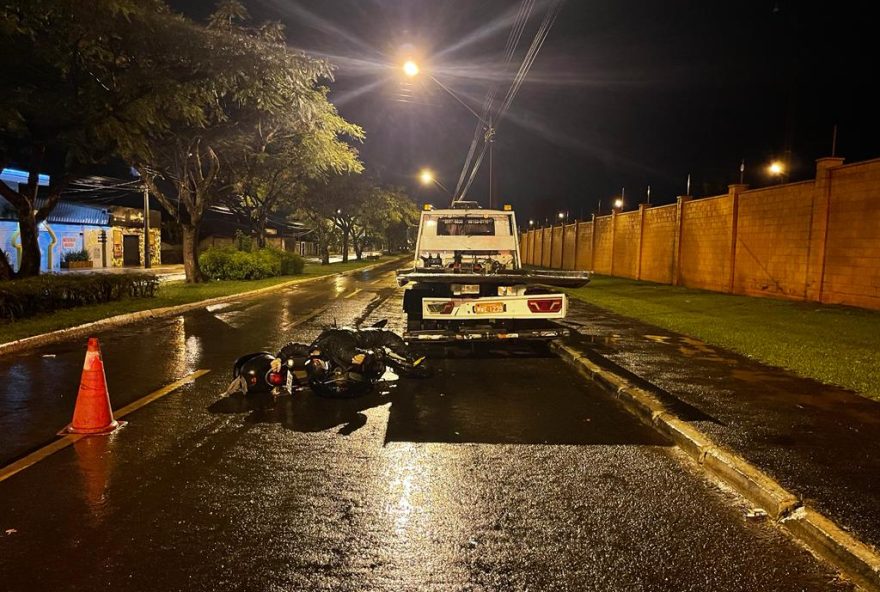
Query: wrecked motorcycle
x,y
340,362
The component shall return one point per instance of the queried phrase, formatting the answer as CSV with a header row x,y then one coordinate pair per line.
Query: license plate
x,y
488,307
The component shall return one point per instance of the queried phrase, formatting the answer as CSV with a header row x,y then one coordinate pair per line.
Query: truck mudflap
x,y
563,279
484,334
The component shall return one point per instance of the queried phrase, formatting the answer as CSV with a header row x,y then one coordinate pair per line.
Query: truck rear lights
x,y
545,305
441,307
275,378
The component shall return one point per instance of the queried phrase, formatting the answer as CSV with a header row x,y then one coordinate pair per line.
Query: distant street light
x,y
618,203
777,169
531,222
410,68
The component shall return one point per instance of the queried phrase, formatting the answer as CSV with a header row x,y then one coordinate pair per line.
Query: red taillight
x,y
441,307
275,378
545,305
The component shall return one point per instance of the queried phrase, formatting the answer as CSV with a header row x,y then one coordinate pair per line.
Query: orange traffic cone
x,y
92,414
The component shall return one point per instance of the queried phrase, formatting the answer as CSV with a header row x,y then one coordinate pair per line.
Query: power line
x,y
553,9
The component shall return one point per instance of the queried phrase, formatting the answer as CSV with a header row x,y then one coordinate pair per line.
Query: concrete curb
x,y
26,343
821,535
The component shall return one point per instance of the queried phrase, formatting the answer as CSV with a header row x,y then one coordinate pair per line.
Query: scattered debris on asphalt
x,y
756,514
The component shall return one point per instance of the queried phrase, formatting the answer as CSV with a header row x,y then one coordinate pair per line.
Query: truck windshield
x,y
465,226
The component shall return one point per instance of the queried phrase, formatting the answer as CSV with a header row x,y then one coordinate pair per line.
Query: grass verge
x,y
170,294
833,344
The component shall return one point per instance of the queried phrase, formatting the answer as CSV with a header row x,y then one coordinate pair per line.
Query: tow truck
x,y
468,283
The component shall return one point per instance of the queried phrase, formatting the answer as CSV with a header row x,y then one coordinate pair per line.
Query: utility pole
x,y
490,139
147,259
742,170
649,194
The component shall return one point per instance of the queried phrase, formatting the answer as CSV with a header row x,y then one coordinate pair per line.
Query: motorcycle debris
x,y
756,514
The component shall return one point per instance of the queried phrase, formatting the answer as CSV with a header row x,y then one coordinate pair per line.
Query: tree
x,y
66,104
361,211
387,220
269,163
237,78
240,78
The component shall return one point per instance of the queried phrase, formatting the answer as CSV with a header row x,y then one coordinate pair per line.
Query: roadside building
x,y
112,236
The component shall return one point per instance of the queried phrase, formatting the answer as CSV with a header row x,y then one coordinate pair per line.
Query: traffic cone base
x,y
92,415
102,431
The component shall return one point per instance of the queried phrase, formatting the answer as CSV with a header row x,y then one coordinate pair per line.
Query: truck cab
x,y
467,281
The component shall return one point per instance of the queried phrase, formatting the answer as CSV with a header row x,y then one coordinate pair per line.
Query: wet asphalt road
x,y
503,472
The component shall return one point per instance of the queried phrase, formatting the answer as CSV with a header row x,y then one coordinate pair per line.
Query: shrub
x,y
291,263
47,293
215,261
82,255
226,263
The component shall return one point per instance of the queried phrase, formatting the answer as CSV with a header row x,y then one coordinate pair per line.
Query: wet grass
x,y
170,294
833,344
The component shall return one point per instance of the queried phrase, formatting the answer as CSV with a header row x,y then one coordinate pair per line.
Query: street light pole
x,y
147,259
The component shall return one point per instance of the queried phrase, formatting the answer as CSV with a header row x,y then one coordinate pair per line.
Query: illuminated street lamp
x,y
618,203
411,69
531,222
776,169
427,177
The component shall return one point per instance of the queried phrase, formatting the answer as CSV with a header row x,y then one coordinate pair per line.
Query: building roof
x,y
63,213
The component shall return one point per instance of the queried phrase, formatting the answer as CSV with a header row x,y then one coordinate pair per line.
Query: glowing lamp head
x,y
426,177
410,68
618,203
776,168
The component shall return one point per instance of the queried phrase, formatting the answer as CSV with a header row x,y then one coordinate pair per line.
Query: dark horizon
x,y
622,95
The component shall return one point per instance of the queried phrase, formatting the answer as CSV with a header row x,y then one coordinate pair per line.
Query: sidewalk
x,y
819,441
165,273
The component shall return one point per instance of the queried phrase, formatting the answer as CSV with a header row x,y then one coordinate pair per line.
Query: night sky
x,y
622,95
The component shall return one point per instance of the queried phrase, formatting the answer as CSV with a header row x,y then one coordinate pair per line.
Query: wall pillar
x,y
577,241
593,245
817,245
562,246
676,246
642,208
733,191
550,258
613,232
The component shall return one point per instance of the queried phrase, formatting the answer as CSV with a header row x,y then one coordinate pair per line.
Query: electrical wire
x,y
553,10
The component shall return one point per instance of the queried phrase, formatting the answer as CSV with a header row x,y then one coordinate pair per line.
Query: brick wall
x,y
658,240
772,241
705,243
852,256
602,245
626,244
816,240
556,260
585,246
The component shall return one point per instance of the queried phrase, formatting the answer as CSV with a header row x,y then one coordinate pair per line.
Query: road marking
x,y
160,393
65,441
309,317
352,293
